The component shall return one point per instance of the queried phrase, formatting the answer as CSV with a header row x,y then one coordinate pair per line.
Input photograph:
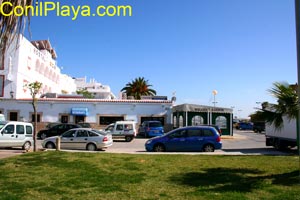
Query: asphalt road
x,y
241,143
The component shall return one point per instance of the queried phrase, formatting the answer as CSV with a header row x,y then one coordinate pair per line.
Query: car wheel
x,y
50,145
26,146
91,147
208,148
128,138
159,148
43,136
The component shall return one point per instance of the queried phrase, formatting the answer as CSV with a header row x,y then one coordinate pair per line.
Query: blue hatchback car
x,y
151,129
192,138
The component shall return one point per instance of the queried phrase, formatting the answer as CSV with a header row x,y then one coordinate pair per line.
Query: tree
x,y
34,88
85,93
138,87
11,26
287,104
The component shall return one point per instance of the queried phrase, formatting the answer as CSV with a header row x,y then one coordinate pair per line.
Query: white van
x,y
122,129
16,134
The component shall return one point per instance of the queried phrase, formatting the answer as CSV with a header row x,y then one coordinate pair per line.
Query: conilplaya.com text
x,y
45,8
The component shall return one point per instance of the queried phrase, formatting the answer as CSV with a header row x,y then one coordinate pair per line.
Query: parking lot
x,y
241,143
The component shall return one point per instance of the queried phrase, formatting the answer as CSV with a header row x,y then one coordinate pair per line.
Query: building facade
x,y
26,62
99,113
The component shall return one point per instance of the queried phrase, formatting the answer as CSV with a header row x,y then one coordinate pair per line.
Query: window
x,y
106,120
178,134
91,134
64,119
161,119
82,133
79,118
180,121
28,130
128,127
207,133
1,85
119,127
70,133
13,116
194,133
197,120
175,121
221,121
10,129
20,129
38,117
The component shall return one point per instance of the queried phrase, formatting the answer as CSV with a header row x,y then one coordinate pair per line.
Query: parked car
x,y
80,138
151,129
245,126
16,134
51,124
122,129
216,127
193,138
56,130
259,127
84,124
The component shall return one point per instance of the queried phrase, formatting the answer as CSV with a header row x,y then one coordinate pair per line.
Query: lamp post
x,y
297,20
215,92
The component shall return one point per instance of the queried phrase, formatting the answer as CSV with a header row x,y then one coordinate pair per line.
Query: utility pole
x,y
297,20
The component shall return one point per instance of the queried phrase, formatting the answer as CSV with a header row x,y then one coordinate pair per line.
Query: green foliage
x,y
138,87
69,175
287,105
85,93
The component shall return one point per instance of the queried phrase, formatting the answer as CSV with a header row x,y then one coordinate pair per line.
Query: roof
x,y
200,108
96,100
45,45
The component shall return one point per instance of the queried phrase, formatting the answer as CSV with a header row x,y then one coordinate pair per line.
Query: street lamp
x,y
215,92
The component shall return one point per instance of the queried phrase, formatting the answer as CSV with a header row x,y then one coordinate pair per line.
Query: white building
x,y
36,61
98,90
28,62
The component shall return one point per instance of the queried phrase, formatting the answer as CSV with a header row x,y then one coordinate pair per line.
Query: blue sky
x,y
237,47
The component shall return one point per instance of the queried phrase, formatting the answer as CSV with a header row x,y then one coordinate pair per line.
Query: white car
x,y
80,138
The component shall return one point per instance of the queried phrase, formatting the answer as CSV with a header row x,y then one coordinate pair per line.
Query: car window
x,y
119,127
20,129
92,134
99,132
82,133
178,134
110,128
28,130
10,129
194,132
128,127
155,124
70,133
207,132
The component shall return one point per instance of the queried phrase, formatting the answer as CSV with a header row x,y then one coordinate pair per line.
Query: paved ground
x,y
241,143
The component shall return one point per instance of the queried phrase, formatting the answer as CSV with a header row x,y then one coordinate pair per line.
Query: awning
x,y
80,111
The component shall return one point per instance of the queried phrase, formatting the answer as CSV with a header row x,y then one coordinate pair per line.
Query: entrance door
x,y
79,119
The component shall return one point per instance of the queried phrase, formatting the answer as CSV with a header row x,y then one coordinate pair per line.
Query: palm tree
x,y
11,26
138,87
287,104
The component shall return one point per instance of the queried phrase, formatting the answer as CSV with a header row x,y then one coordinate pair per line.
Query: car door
x,y
20,134
176,141
119,129
8,136
67,139
194,139
81,139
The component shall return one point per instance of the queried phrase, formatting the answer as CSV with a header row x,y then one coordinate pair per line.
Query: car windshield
x,y
2,124
155,124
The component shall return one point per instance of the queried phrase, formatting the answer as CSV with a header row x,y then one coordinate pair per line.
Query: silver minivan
x,y
16,134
